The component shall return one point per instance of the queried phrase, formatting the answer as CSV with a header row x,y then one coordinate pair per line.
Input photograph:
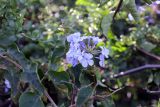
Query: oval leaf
x,y
83,95
106,23
29,99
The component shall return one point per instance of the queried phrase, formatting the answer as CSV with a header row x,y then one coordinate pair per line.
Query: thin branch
x,y
135,70
153,92
3,67
46,73
117,9
50,99
10,60
73,95
105,96
149,54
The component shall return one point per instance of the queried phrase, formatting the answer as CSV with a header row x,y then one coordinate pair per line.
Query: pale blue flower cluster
x,y
82,50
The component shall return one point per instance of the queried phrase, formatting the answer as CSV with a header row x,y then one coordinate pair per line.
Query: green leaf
x,y
148,1
7,40
15,53
108,102
102,2
158,105
59,76
84,3
84,80
130,6
106,23
147,46
1,50
83,95
62,83
31,75
58,53
30,99
156,78
98,74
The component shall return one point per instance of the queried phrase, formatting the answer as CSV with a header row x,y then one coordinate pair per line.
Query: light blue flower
x,y
84,37
101,62
72,56
74,46
8,85
86,59
75,37
96,40
82,48
82,44
104,51
72,61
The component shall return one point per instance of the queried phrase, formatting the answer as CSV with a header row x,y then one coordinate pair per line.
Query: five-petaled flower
x,y
86,59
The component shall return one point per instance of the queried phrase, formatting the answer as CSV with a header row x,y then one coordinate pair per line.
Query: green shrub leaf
x,y
83,95
30,99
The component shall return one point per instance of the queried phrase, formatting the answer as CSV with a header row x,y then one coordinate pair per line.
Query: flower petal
x,y
101,57
88,55
74,62
101,63
82,44
90,62
75,37
84,63
105,51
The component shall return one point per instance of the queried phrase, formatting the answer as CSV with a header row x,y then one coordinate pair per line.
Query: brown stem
x,y
117,9
149,54
50,99
135,70
73,96
105,96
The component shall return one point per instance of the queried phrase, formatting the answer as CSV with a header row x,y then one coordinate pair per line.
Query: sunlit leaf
x,y
130,6
106,23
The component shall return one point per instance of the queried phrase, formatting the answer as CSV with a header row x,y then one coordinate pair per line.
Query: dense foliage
x,y
39,66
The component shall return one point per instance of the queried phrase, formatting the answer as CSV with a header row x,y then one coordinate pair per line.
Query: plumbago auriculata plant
x,y
46,62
